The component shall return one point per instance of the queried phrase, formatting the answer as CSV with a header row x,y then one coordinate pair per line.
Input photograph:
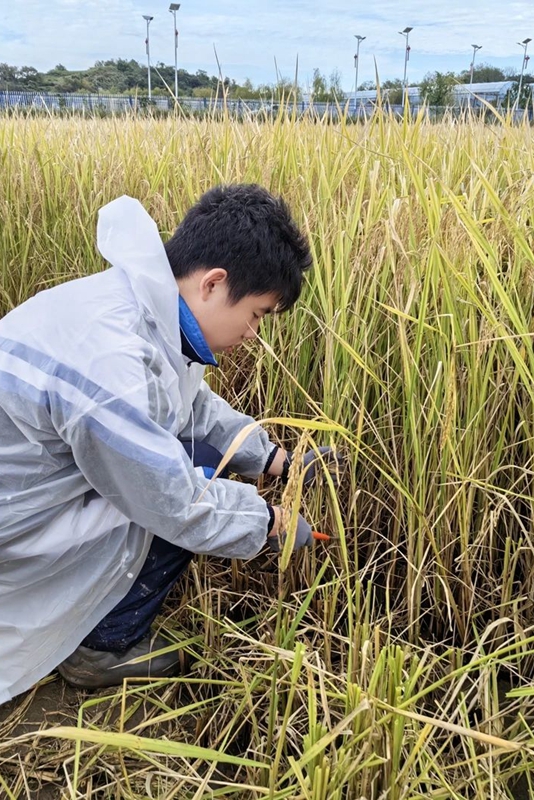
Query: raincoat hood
x,y
128,238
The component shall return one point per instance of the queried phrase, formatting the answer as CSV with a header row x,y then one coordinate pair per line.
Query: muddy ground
x,y
50,704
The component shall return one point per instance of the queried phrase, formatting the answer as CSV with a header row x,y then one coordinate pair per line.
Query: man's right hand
x,y
303,535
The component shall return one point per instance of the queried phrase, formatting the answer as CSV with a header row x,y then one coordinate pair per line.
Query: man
x,y
107,428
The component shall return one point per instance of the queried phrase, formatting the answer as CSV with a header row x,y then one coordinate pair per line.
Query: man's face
x,y
225,325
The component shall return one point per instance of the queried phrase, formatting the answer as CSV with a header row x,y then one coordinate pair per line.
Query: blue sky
x,y
249,35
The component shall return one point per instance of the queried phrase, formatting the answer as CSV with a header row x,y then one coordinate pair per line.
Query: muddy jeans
x,y
130,620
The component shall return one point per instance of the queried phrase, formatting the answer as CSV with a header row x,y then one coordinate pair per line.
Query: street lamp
x,y
524,45
475,48
406,33
173,8
147,42
356,63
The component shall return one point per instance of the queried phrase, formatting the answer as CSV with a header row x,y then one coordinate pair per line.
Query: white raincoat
x,y
94,390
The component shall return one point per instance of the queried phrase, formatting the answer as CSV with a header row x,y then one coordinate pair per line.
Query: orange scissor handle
x,y
324,537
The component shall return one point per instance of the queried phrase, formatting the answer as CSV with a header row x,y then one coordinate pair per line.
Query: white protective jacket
x,y
94,391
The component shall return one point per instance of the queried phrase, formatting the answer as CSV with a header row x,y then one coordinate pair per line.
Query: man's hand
x,y
303,535
311,463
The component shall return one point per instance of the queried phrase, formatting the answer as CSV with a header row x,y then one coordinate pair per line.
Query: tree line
x,y
122,76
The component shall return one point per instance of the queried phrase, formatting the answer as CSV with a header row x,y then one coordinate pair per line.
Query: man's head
x,y
237,255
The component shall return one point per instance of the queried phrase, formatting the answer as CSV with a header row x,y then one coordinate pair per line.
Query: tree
x,y
106,77
28,77
393,91
247,91
437,88
324,91
511,73
8,76
482,73
121,75
336,93
284,89
72,82
524,100
319,87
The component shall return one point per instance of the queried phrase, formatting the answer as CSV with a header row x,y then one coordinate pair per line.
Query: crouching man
x,y
109,436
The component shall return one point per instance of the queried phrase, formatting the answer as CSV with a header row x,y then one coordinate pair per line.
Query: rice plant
x,y
396,660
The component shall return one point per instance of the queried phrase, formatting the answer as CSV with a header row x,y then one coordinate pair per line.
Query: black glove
x,y
303,537
311,462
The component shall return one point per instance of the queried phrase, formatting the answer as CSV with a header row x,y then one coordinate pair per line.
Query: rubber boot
x,y
89,669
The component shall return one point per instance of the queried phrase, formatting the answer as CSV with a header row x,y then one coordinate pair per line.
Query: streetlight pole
x,y
173,8
475,48
356,65
147,42
406,33
524,45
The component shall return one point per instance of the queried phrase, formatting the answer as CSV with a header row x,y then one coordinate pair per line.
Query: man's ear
x,y
212,280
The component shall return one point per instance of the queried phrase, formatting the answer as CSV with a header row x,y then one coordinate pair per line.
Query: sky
x,y
249,35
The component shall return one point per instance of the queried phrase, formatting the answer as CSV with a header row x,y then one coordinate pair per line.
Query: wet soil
x,y
36,765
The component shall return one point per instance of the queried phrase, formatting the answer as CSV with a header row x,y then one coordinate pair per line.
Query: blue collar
x,y
194,345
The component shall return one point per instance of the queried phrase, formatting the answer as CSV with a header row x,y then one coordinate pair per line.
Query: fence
x,y
92,103
103,104
119,104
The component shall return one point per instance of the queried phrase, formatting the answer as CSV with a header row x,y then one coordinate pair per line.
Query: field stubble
x,y
396,661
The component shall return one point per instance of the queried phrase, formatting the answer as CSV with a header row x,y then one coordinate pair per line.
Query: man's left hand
x,y
312,464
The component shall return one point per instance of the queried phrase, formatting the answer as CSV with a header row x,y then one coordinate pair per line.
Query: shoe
x,y
89,669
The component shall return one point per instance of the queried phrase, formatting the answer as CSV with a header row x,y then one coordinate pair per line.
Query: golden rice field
x,y
397,661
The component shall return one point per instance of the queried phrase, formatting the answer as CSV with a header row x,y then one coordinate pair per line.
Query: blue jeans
x,y
130,620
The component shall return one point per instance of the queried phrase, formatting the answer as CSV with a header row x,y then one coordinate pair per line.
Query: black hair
x,y
245,230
